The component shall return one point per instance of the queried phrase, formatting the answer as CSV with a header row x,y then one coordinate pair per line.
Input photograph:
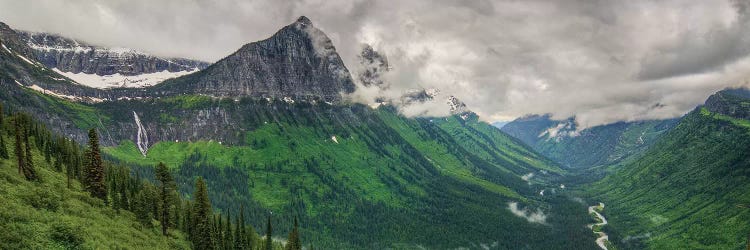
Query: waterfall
x,y
142,137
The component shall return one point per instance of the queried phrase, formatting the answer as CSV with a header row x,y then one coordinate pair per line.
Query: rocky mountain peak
x,y
374,64
304,21
297,62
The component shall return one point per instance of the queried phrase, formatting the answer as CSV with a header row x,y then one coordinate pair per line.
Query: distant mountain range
x,y
604,145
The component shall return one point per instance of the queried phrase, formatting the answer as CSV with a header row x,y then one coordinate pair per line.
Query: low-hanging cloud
x,y
600,61
530,216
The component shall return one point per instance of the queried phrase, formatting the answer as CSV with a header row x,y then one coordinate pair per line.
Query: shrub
x,y
67,235
41,198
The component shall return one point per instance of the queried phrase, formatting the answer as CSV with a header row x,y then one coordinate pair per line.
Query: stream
x,y
603,237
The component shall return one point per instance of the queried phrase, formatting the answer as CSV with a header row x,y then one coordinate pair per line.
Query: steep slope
x,y
102,67
603,145
689,190
49,215
298,62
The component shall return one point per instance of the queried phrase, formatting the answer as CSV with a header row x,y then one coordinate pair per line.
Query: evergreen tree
x,y
166,188
240,241
2,116
269,232
141,208
3,149
95,168
123,188
293,242
201,226
20,154
28,170
228,236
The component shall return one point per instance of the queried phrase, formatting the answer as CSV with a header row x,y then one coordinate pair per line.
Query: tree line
x,y
155,204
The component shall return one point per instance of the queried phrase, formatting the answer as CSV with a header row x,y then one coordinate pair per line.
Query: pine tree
x,y
240,241
228,236
28,170
2,116
3,149
293,242
95,168
123,188
201,226
141,208
20,154
269,232
166,188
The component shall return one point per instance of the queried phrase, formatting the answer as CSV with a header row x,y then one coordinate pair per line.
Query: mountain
x,y
689,190
604,145
299,62
103,67
354,176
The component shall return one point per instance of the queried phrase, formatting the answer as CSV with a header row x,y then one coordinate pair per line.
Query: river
x,y
603,237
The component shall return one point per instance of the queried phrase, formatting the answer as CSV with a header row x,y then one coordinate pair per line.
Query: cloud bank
x,y
600,61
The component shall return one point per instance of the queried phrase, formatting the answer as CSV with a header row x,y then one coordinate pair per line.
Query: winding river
x,y
603,237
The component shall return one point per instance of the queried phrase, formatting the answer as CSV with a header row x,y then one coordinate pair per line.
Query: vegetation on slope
x,y
358,177
688,191
96,205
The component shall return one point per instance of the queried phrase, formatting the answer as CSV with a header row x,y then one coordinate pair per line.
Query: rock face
x,y
731,102
299,62
69,55
374,64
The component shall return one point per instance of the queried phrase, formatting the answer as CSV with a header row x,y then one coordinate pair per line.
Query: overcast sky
x,y
602,61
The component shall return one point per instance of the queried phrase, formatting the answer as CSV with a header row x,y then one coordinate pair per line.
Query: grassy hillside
x,y
48,215
688,191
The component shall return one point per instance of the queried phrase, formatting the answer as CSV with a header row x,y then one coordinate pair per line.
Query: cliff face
x,y
731,102
73,56
299,62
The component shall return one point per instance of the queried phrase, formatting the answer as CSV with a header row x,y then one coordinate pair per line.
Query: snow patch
x,y
6,48
63,96
119,80
533,217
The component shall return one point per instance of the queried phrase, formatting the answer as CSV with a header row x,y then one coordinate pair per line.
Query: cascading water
x,y
142,137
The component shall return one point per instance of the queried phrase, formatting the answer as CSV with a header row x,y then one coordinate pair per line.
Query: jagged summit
x,y
71,55
304,20
299,62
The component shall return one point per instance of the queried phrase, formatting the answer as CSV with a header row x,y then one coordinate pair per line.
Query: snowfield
x,y
122,81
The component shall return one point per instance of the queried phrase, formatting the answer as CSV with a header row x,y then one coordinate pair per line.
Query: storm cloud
x,y
600,61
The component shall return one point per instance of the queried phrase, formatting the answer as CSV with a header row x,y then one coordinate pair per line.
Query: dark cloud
x,y
600,61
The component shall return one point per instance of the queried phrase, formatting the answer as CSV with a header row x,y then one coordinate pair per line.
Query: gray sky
x,y
602,61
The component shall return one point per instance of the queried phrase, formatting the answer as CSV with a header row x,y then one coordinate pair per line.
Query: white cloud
x,y
600,61
533,217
